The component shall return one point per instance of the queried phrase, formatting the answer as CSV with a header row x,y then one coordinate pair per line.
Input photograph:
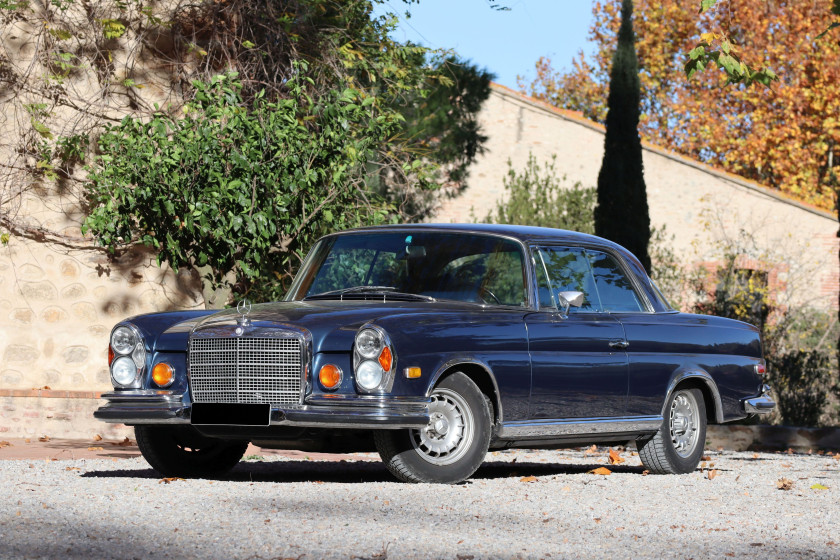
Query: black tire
x,y
435,454
678,445
182,451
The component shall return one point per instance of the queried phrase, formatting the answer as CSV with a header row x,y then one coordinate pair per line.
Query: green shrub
x,y
537,197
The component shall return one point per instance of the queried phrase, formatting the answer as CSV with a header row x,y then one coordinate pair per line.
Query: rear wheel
x,y
182,451
678,445
454,443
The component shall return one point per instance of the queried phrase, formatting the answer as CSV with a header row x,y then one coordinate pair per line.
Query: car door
x,y
578,365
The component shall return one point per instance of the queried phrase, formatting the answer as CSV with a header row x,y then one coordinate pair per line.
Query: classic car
x,y
433,344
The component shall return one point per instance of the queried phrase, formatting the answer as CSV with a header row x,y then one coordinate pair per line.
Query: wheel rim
x,y
450,431
684,423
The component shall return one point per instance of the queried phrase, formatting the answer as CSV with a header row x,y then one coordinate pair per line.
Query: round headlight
x,y
369,343
369,375
139,356
123,340
123,371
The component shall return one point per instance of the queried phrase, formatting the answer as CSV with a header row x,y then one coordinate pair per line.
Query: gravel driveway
x,y
518,505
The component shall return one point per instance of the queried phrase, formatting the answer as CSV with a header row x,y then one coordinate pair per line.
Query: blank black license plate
x,y
225,414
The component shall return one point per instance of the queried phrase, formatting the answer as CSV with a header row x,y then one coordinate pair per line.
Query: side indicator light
x,y
412,372
330,376
385,359
163,375
111,355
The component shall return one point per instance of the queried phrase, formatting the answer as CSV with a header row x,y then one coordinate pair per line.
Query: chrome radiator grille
x,y
246,370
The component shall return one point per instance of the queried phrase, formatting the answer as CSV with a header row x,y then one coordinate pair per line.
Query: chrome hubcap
x,y
450,430
684,423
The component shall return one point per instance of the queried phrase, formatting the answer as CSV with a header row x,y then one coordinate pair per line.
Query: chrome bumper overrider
x,y
165,407
762,404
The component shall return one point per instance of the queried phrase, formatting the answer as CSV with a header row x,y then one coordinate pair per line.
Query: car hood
x,y
332,323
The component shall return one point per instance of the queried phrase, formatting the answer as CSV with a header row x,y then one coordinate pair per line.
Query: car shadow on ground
x,y
346,472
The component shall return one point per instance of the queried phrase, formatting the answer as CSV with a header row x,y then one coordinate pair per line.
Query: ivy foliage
x,y
243,188
385,129
536,196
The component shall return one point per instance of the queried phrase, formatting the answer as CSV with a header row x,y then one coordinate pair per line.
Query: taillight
x,y
761,369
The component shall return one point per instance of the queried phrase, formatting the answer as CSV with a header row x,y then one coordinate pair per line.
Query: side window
x,y
614,287
568,270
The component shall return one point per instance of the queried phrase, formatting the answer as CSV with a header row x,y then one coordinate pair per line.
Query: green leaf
x,y
706,5
819,486
112,28
41,129
4,239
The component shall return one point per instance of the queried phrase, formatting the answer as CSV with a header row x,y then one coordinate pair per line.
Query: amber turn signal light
x,y
111,355
330,376
412,372
385,359
163,375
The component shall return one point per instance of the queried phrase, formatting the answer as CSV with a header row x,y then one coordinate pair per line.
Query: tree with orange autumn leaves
x,y
786,135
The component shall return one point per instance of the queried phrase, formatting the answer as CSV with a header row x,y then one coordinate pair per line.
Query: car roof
x,y
523,233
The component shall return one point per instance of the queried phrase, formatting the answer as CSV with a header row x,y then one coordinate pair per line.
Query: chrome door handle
x,y
620,344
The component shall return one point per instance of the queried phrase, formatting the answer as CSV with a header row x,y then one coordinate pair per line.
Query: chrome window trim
x,y
523,245
637,289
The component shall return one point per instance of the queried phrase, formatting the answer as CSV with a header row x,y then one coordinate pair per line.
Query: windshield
x,y
454,266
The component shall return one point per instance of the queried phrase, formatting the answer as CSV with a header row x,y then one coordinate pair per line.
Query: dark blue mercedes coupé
x,y
433,344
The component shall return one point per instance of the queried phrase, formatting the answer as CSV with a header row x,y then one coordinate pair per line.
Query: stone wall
x,y
57,309
698,204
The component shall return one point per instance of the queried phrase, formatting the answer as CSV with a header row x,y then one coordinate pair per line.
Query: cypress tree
x,y
622,211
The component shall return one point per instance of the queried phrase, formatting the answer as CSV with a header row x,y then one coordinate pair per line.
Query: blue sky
x,y
505,42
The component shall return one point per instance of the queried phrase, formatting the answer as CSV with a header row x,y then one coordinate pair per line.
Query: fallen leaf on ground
x,y
169,479
528,479
712,474
615,458
645,472
72,469
124,443
591,450
97,437
5,444
96,448
705,458
601,470
44,388
44,438
784,484
755,455
819,486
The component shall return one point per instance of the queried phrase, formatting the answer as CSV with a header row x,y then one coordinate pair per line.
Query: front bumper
x,y
761,404
165,407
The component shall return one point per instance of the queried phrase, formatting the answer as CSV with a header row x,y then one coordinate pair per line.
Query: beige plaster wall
x,y
699,205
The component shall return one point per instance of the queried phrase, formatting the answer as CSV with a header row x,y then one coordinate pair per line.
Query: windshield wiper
x,y
385,291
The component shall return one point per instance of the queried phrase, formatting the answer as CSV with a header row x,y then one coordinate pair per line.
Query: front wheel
x,y
454,443
678,445
182,451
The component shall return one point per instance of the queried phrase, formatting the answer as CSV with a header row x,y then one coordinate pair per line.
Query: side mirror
x,y
569,299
